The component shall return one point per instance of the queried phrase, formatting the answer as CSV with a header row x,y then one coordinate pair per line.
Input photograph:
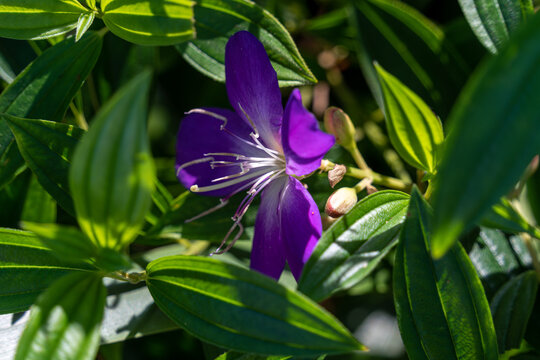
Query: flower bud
x,y
336,174
340,202
338,123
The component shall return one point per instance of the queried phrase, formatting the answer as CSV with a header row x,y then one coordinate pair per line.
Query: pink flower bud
x,y
338,123
340,202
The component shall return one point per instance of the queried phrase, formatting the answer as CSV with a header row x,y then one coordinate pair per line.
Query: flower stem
x,y
358,158
80,120
532,251
133,277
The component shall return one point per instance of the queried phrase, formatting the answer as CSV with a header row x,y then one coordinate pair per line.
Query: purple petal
x,y
304,144
252,86
201,134
301,225
268,253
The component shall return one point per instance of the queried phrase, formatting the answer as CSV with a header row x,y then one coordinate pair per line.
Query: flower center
x,y
254,172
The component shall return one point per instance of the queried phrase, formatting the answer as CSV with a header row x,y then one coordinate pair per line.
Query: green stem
x,y
532,251
79,117
35,47
134,277
358,158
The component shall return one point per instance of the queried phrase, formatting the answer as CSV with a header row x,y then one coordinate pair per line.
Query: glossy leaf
x,y
130,312
242,310
65,321
44,90
112,175
83,24
511,307
442,310
498,259
503,216
148,22
27,267
494,21
412,48
476,171
354,245
217,20
38,19
414,130
47,148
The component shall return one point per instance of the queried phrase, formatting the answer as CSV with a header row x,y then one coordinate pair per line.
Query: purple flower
x,y
257,148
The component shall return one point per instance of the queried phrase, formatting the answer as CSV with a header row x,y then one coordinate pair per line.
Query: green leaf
x,y
65,321
533,195
412,48
83,24
442,310
12,197
39,206
217,20
148,22
44,90
511,307
414,130
232,355
242,310
47,147
66,242
477,170
498,259
503,216
27,267
493,21
38,19
14,56
354,245
112,175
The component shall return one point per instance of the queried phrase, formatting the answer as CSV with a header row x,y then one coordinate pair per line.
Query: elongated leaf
x,y
38,19
493,21
414,130
27,267
39,206
511,307
243,310
130,312
44,90
441,306
498,259
470,180
503,216
47,147
217,20
412,48
149,22
112,175
66,242
354,245
65,321
83,24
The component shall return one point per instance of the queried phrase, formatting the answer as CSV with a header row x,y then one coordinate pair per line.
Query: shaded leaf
x,y
511,307
442,310
477,170
112,175
503,216
354,245
38,19
148,22
64,323
493,21
235,308
414,130
39,206
27,268
412,48
47,147
43,91
217,20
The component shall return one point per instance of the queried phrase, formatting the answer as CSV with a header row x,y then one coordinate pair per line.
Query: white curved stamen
x,y
196,188
209,113
197,161
256,134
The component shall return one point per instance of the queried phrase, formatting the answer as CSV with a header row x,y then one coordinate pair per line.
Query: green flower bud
x,y
340,202
338,123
